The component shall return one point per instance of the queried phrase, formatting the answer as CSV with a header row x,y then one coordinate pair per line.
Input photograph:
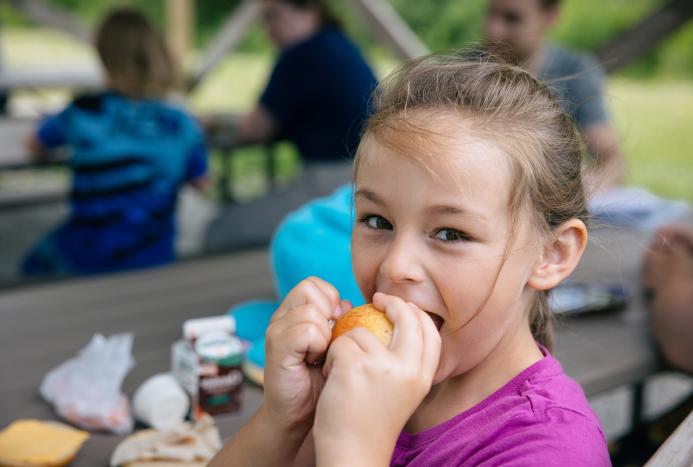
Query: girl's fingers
x,y
311,291
367,341
340,349
308,344
430,356
330,293
313,323
407,335
345,306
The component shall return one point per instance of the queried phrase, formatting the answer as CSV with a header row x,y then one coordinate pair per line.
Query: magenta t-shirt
x,y
540,417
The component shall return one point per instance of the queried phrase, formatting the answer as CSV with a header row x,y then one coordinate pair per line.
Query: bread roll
x,y
367,316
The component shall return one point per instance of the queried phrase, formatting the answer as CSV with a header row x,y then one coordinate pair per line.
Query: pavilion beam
x,y
390,28
180,27
227,39
54,17
641,38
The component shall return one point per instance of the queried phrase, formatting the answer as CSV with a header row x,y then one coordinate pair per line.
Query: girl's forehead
x,y
453,157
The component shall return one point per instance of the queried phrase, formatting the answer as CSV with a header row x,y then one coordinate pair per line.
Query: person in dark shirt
x,y
318,98
318,94
130,153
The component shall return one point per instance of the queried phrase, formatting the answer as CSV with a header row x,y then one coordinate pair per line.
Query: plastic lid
x,y
194,328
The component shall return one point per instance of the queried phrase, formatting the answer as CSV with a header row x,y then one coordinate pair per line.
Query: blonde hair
x,y
504,104
135,56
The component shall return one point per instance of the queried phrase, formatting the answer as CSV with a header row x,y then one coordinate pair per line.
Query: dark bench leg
x,y
226,176
637,405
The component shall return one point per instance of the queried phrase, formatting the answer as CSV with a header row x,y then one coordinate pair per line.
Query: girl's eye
x,y
376,222
451,235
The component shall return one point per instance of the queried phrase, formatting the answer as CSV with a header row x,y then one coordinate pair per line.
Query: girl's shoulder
x,y
540,416
547,419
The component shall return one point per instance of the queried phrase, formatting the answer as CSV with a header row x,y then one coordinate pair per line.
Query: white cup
x,y
160,402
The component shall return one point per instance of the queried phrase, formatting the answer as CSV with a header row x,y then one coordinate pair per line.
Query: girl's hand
x,y
296,340
372,390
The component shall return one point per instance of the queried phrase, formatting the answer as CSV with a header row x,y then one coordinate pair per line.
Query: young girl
x,y
469,208
130,152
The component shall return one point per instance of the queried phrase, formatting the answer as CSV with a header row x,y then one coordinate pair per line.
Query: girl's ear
x,y
561,255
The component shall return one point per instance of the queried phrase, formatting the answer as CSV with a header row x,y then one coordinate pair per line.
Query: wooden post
x,y
639,39
389,27
180,20
53,16
234,29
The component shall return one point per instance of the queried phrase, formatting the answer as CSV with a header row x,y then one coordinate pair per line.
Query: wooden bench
x,y
45,324
677,450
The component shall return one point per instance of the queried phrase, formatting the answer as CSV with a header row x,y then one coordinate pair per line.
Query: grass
x,y
654,120
653,117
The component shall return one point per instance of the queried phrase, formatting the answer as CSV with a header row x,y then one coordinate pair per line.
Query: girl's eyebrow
x,y
369,195
437,209
450,209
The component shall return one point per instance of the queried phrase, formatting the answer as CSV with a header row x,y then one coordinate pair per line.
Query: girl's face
x,y
439,236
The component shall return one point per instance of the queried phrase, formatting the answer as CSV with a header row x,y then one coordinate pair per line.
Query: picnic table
x,y
677,450
43,325
219,132
13,153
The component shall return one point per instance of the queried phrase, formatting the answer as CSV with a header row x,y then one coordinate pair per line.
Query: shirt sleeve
x,y
589,94
52,131
288,89
197,162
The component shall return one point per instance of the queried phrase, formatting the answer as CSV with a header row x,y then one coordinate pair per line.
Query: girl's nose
x,y
402,263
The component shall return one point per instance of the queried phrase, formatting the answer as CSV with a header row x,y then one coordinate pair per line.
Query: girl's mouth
x,y
437,320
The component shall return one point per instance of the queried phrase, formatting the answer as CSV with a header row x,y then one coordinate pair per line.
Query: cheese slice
x,y
37,443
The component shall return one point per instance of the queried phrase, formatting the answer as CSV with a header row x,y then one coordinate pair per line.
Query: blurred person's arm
x,y
197,172
257,126
668,274
289,89
37,151
607,167
201,184
50,134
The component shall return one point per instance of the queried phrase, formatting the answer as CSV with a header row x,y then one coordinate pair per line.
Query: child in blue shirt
x,y
130,153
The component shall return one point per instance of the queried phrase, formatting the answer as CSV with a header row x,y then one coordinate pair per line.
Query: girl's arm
x,y
262,442
296,339
372,390
306,455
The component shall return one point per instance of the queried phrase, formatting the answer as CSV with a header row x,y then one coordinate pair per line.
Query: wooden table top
x,y
42,326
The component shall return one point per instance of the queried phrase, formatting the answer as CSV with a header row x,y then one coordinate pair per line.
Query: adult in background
x,y
517,31
668,276
317,97
131,150
668,282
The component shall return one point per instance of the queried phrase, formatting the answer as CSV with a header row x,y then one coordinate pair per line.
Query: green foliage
x,y
441,24
676,54
589,24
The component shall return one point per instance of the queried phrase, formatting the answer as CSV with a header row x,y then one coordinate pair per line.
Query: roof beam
x,y
389,27
54,17
227,39
642,37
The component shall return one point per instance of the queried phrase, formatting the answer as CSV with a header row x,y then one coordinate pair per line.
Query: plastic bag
x,y
85,390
